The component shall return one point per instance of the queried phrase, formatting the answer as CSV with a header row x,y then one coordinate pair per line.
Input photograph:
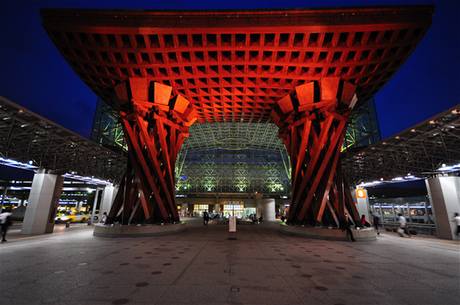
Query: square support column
x,y
108,196
444,193
95,205
362,202
43,201
258,204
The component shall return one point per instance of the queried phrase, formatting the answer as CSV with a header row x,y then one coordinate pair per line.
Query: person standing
x,y
347,228
376,222
402,225
205,218
457,222
104,218
5,222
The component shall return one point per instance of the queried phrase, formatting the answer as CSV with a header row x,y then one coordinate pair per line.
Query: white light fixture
x,y
450,168
86,179
17,164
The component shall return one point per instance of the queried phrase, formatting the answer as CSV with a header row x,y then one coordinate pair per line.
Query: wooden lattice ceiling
x,y
233,65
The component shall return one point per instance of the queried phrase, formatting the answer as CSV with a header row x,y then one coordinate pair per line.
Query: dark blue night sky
x,y
35,75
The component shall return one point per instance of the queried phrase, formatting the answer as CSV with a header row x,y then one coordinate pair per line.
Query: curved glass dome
x,y
234,136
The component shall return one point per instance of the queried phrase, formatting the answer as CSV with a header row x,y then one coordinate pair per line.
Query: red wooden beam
x,y
312,123
234,65
155,128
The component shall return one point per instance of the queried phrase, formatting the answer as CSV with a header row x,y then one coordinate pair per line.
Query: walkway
x,y
201,266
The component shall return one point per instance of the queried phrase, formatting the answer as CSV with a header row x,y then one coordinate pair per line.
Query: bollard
x,y
232,227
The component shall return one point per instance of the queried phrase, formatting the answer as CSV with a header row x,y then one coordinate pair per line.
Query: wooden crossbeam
x,y
312,125
155,127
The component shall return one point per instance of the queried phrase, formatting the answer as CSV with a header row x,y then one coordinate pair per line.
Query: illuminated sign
x,y
361,193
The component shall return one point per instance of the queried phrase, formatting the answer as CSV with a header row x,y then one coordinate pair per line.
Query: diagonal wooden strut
x,y
155,126
312,123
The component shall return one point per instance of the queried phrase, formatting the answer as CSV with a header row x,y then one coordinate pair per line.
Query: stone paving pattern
x,y
201,266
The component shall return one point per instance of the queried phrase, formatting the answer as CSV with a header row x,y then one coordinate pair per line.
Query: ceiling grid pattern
x,y
230,72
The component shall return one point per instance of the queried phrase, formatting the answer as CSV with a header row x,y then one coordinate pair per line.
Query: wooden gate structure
x,y
303,69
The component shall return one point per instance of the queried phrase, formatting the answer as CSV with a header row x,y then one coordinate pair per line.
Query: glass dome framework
x,y
208,154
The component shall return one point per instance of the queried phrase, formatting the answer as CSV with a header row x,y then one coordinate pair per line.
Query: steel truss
x,y
418,151
242,171
206,138
362,128
107,129
234,136
30,138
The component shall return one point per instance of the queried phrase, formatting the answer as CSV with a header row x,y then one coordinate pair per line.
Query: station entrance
x,y
303,70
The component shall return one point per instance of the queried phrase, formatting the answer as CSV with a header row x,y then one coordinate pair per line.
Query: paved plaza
x,y
201,266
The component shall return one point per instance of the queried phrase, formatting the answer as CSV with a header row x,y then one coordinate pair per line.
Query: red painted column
x,y
312,122
155,126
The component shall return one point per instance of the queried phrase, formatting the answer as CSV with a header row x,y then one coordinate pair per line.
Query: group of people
x,y
255,219
402,230
5,223
252,217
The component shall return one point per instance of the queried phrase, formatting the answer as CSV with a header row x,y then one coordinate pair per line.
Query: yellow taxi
x,y
69,216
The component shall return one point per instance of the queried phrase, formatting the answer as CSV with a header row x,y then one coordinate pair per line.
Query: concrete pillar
x,y
42,204
108,196
259,205
269,213
217,208
362,203
5,191
79,206
444,193
93,212
184,209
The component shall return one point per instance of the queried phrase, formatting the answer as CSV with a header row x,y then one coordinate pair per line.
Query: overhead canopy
x,y
429,148
421,150
234,65
39,143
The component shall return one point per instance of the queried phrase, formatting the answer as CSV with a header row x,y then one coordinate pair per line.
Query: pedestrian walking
x,y
5,223
457,222
205,218
347,227
376,222
402,226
